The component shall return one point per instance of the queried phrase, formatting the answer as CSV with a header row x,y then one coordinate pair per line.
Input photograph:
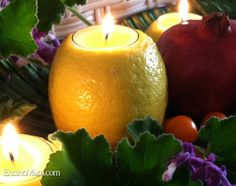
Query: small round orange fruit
x,y
183,128
213,114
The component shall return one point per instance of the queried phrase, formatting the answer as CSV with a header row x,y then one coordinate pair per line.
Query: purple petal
x,y
217,180
202,169
197,166
223,170
188,147
195,162
198,173
4,3
47,46
37,35
213,169
215,175
214,182
168,174
225,181
54,40
181,159
46,51
211,157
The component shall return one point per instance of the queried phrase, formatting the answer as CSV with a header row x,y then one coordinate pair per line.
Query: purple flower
x,y
202,169
4,3
47,46
37,35
178,161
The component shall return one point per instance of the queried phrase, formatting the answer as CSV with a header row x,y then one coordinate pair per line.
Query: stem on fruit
x,y
217,23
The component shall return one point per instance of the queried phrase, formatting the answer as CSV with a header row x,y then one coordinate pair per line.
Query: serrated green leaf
x,y
92,159
73,2
49,13
145,163
219,135
87,162
137,127
16,23
69,175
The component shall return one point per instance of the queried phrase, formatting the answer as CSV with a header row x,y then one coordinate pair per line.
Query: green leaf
x,y
73,2
137,127
87,162
182,177
69,175
219,136
51,11
145,163
92,160
210,6
13,110
16,23
231,176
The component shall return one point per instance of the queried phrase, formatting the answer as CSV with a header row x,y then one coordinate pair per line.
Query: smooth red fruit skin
x,y
183,128
201,68
213,114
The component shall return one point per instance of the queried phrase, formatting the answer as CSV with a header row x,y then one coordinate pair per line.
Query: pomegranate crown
x,y
218,23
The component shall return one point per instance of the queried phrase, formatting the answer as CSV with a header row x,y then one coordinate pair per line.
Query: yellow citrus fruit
x,y
154,31
102,91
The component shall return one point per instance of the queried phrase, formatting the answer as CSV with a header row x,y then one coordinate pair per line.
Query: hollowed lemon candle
x,y
121,37
105,76
22,158
165,21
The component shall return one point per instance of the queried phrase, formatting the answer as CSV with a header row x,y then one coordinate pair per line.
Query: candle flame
x,y
183,10
10,142
108,25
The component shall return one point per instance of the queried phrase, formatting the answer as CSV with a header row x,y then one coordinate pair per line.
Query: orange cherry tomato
x,y
213,114
183,128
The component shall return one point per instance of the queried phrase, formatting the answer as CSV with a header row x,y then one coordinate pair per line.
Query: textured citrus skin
x,y
102,91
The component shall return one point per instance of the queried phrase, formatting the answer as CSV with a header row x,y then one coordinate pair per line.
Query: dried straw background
x,y
95,10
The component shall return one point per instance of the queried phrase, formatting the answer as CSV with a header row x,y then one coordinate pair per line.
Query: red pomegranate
x,y
200,58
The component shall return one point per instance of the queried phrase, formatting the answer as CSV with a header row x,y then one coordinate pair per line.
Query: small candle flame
x,y
10,142
183,10
108,25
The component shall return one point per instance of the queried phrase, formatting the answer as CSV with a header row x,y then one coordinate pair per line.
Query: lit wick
x,y
108,26
12,158
107,35
10,142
